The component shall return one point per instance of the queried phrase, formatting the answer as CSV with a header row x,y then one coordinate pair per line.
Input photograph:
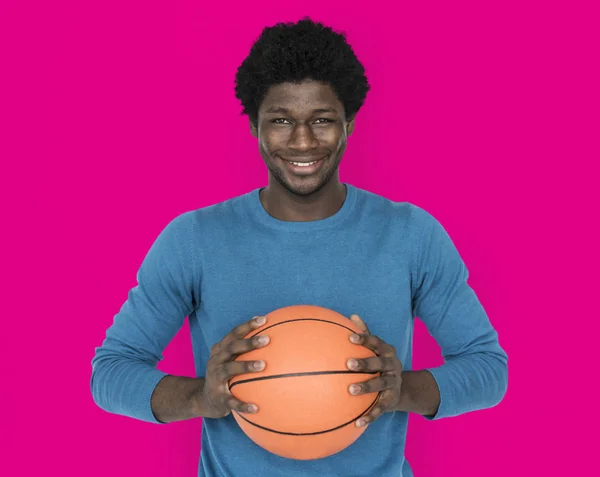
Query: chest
x,y
366,274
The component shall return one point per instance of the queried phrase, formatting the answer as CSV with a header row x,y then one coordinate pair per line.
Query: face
x,y
302,132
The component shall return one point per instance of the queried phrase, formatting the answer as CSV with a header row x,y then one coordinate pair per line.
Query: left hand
x,y
387,363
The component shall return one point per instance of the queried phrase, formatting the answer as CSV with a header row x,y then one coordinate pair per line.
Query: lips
x,y
303,160
304,166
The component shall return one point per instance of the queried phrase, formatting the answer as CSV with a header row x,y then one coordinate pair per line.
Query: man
x,y
306,238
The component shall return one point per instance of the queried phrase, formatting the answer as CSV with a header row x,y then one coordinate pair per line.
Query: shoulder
x,y
209,215
181,241
189,228
402,213
224,211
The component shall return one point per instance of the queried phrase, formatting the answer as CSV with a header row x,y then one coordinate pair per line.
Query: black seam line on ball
x,y
256,332
295,375
310,433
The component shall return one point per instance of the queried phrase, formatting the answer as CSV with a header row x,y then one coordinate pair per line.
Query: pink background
x,y
118,116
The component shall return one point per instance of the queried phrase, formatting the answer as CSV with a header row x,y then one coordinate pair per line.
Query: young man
x,y
306,238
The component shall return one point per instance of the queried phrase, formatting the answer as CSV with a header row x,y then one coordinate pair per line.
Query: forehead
x,y
307,95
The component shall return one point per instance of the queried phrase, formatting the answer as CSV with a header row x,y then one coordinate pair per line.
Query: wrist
x,y
197,400
405,401
419,393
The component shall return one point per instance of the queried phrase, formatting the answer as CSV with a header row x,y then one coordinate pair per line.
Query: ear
x,y
350,126
254,129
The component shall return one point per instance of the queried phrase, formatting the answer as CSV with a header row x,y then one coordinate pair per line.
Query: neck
x,y
284,205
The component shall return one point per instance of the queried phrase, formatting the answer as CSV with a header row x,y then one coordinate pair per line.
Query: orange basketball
x,y
305,409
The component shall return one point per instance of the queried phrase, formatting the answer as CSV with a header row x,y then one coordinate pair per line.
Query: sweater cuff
x,y
447,407
147,380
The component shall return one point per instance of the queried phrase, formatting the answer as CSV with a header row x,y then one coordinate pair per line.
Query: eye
x,y
279,121
323,121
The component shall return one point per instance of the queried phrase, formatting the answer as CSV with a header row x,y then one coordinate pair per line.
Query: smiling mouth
x,y
304,167
303,163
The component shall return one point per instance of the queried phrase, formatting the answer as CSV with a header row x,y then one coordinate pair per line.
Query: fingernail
x,y
261,320
352,364
354,338
354,389
259,365
360,423
252,408
263,340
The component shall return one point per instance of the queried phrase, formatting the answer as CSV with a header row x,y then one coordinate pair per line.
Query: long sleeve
x,y
475,373
124,372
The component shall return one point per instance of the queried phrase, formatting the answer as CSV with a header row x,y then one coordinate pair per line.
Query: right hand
x,y
221,367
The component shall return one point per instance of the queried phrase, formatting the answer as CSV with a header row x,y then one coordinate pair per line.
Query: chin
x,y
305,188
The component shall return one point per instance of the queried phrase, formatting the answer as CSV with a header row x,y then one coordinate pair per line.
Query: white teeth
x,y
305,164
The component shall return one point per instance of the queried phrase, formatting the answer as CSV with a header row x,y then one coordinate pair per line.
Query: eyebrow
x,y
276,109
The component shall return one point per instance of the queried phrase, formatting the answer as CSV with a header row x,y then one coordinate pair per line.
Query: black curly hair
x,y
293,52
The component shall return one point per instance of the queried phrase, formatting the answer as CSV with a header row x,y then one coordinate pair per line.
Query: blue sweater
x,y
221,265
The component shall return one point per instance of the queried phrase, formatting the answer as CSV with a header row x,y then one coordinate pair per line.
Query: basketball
x,y
305,410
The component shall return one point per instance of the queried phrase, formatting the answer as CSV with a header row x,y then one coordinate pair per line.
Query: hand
x,y
221,367
389,383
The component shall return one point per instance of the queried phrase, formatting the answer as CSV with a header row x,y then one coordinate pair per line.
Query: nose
x,y
302,139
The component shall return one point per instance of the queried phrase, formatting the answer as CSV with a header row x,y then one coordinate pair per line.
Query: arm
x,y
124,373
419,393
177,398
474,374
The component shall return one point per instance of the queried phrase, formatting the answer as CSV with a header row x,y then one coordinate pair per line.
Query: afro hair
x,y
294,52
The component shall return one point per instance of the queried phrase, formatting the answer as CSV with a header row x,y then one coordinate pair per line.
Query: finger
x,y
234,368
370,417
239,332
375,344
386,398
372,365
236,348
381,383
360,323
239,406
